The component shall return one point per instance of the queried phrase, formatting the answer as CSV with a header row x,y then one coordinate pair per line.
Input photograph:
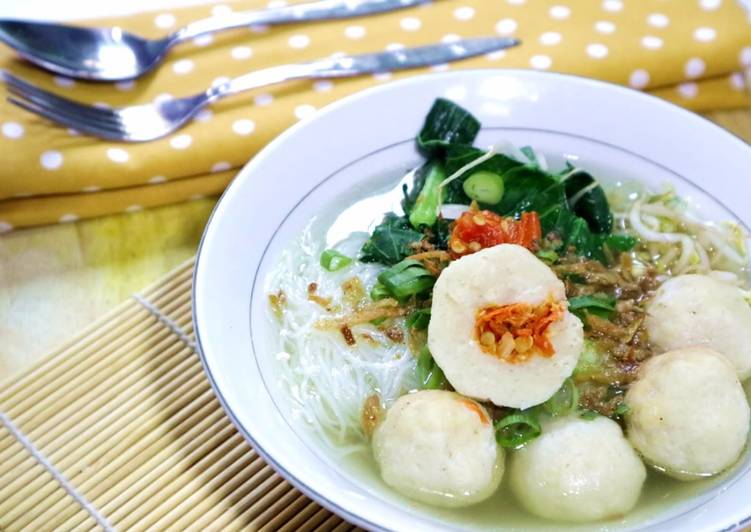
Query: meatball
x,y
688,414
439,448
499,276
578,470
691,310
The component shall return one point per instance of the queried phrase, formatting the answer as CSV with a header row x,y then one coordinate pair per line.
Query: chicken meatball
x,y
691,310
688,414
500,329
577,470
439,448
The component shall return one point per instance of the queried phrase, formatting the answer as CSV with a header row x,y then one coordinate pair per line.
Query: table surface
x,y
55,280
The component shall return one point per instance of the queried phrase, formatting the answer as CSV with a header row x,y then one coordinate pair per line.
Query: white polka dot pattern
x,y
705,34
597,50
354,32
560,12
695,67
506,26
464,13
658,20
12,130
243,126
183,66
164,21
540,62
650,42
410,23
118,155
241,52
639,79
181,142
688,90
604,26
304,111
550,38
51,160
299,41
221,166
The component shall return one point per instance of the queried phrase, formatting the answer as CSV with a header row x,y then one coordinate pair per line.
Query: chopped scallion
x,y
332,260
517,429
419,319
378,292
406,279
428,373
548,255
485,187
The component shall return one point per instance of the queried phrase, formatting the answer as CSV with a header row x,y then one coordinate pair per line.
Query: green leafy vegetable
x,y
622,409
392,240
564,401
332,260
517,428
446,123
587,199
424,212
379,292
530,154
428,373
406,279
588,414
419,319
620,242
599,304
485,187
548,255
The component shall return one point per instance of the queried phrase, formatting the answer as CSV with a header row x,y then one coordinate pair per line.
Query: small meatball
x,y
688,414
487,363
439,448
692,310
578,470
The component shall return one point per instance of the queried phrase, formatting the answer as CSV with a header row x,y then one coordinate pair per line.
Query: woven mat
x,y
119,429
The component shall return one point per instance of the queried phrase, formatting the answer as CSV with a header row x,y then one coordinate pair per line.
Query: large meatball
x,y
688,414
499,276
439,448
578,470
691,310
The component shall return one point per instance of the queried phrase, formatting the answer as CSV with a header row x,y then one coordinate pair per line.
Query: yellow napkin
x,y
692,52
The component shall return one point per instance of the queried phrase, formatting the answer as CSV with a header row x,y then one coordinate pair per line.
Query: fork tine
x,y
62,110
24,88
51,114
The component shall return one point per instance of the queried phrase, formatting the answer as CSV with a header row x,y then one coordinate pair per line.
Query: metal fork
x,y
146,122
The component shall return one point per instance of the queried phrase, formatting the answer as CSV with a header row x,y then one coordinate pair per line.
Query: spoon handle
x,y
321,10
356,65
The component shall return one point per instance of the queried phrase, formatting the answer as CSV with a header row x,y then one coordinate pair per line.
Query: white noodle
x,y
327,380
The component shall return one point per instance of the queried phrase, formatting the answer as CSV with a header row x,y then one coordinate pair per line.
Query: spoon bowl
x,y
112,54
104,54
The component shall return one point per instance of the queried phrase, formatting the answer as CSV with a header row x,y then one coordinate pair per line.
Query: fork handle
x,y
321,10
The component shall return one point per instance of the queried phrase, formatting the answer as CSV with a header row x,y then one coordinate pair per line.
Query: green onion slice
x,y
564,401
332,260
419,319
406,279
378,292
517,429
431,377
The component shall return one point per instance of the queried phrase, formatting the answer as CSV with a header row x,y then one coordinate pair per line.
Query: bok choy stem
x,y
428,203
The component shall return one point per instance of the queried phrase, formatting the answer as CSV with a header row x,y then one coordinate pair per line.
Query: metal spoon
x,y
111,54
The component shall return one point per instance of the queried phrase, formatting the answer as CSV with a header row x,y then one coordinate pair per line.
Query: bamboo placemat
x,y
120,430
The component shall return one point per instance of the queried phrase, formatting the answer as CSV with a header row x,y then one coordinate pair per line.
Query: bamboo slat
x,y
125,414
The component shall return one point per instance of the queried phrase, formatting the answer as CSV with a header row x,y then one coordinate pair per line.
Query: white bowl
x,y
366,140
